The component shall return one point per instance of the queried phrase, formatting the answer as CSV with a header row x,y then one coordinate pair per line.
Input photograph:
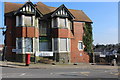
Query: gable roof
x,y
44,9
62,7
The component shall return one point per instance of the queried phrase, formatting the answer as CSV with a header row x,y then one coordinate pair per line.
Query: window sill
x,y
80,49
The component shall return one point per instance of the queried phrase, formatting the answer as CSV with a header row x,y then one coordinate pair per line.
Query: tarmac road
x,y
59,73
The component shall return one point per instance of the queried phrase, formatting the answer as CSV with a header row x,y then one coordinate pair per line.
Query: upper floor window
x,y
62,22
28,21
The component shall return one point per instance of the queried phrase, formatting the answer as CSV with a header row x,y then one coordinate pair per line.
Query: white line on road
x,y
22,74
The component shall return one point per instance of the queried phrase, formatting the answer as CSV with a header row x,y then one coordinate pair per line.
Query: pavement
x,y
41,65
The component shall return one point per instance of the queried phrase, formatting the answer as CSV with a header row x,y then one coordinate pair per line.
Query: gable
x,y
28,8
62,11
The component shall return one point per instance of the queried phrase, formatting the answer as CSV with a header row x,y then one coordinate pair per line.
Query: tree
x,y
88,38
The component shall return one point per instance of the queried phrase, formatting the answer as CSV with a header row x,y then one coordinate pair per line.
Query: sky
x,y
103,14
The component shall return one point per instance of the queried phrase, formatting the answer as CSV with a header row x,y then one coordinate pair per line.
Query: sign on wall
x,y
17,50
45,53
101,55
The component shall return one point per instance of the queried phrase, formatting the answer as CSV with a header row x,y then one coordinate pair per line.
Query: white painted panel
x,y
63,12
33,20
58,12
29,8
26,8
23,20
16,20
23,8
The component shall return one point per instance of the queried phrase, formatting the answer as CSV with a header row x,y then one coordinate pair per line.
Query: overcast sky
x,y
103,14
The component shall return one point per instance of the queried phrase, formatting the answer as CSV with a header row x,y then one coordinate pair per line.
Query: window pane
x,y
63,44
19,43
28,45
28,20
45,44
55,44
55,22
80,45
19,21
62,22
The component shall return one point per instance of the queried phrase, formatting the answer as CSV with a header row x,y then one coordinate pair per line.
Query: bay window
x,y
61,44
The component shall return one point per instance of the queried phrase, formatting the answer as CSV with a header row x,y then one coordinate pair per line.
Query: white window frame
x,y
25,46
82,45
68,45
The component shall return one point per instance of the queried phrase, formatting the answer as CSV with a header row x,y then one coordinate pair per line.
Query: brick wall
x,y
76,55
10,39
27,32
62,33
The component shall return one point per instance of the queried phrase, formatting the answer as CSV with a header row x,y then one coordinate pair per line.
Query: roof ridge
x,y
68,8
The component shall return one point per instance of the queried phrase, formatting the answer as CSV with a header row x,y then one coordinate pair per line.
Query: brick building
x,y
51,32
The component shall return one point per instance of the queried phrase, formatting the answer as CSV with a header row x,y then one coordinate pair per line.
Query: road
x,y
58,73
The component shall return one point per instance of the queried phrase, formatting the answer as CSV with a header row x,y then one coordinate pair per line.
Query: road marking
x,y
85,73
22,74
51,73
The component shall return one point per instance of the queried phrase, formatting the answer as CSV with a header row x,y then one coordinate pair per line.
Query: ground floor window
x,y
45,44
80,45
19,43
61,44
28,44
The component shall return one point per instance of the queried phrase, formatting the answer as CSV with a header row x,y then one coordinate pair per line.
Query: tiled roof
x,y
44,9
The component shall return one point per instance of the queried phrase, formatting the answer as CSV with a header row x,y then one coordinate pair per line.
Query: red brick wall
x,y
10,39
75,53
62,33
27,32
